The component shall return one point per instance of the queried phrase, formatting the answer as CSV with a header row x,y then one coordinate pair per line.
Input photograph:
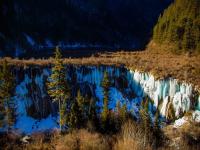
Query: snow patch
x,y
196,116
178,123
29,125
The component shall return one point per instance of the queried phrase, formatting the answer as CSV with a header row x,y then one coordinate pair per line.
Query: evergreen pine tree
x,y
156,121
79,112
81,104
171,113
146,105
157,132
117,118
7,106
145,123
121,114
57,86
93,119
105,112
74,117
92,110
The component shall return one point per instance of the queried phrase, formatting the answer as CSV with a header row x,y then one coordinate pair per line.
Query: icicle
x,y
198,104
172,90
176,103
164,106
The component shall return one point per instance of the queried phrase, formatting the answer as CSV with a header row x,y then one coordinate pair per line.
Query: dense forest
x,y
180,25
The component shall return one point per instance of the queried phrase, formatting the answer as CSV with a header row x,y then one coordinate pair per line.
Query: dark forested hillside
x,y
180,25
30,25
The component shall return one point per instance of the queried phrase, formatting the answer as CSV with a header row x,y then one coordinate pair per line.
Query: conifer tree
x,y
57,86
105,112
118,116
157,133
145,123
121,114
7,106
81,104
156,121
92,110
171,112
79,112
180,29
93,119
74,117
146,105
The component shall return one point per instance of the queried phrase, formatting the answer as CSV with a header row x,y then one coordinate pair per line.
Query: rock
x,y
26,139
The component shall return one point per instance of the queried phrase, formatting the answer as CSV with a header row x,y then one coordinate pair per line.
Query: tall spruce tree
x,y
57,86
74,118
7,106
121,114
93,122
81,103
157,132
105,113
77,116
145,122
83,107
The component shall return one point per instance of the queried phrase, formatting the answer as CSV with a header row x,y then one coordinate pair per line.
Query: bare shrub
x,y
92,141
68,142
131,137
83,140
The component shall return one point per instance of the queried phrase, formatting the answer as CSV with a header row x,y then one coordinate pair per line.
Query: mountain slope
x,y
110,24
180,26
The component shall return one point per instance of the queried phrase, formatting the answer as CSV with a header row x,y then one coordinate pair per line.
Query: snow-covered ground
x,y
29,125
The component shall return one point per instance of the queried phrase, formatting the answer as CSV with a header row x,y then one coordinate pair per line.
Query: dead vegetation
x,y
131,136
162,64
186,137
83,140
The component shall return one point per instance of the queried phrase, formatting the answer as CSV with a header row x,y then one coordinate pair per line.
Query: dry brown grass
x,y
82,140
161,63
41,141
127,145
131,137
186,137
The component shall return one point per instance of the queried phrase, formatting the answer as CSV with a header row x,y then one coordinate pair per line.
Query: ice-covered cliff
x,y
129,87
